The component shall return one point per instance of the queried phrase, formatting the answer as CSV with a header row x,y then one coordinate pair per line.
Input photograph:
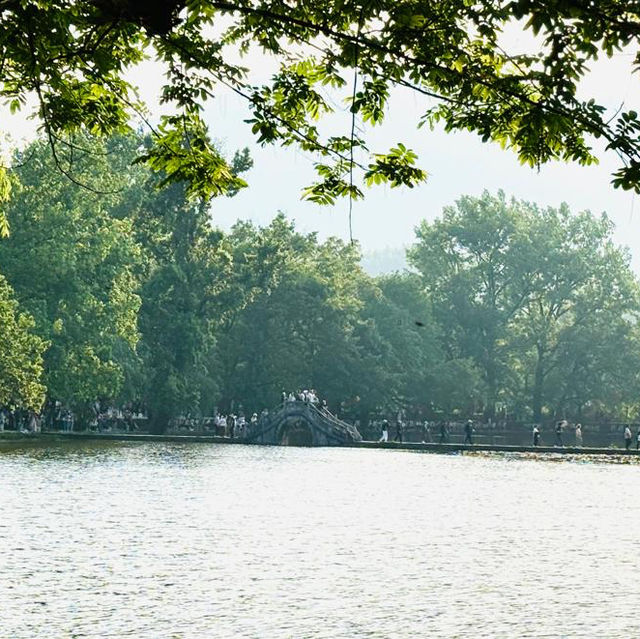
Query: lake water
x,y
216,541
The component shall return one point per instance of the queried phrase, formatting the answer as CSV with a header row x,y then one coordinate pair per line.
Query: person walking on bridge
x,y
627,437
559,426
426,432
398,435
536,435
444,433
468,432
579,435
385,431
231,426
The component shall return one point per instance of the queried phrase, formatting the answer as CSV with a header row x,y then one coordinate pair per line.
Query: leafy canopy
x,y
74,267
541,300
20,355
74,55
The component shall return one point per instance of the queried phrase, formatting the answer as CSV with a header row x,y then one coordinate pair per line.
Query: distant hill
x,y
385,260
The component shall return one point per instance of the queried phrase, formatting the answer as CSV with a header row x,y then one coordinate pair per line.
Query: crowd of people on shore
x,y
19,420
106,418
235,424
55,416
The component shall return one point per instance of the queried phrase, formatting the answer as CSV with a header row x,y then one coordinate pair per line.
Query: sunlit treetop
x,y
73,57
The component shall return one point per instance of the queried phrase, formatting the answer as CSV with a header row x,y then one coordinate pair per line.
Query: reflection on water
x,y
210,541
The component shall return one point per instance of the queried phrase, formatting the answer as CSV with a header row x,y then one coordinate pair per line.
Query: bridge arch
x,y
302,424
296,432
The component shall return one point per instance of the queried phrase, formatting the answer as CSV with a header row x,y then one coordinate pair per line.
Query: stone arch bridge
x,y
301,424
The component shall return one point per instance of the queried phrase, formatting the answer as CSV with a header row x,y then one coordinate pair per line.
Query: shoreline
x,y
13,437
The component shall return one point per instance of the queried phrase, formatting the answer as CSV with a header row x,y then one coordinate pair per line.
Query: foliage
x,y
580,313
73,266
20,355
399,355
308,317
541,300
124,292
74,57
295,304
5,192
180,310
466,261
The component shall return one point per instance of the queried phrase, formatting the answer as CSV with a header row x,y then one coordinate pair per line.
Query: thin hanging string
x,y
353,128
353,121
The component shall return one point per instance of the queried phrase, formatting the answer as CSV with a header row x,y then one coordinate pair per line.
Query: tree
x,y
594,369
20,355
121,276
467,263
401,346
74,268
541,300
73,57
293,303
581,307
183,289
302,314
187,268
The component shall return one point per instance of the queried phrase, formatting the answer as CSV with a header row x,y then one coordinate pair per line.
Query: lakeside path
x,y
11,438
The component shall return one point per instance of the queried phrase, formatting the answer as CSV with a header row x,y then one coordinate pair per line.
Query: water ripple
x,y
203,541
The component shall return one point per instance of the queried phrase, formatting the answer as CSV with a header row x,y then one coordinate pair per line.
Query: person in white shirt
x,y
221,426
536,435
579,435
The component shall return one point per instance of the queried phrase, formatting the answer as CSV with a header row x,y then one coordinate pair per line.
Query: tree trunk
x,y
159,421
538,382
492,388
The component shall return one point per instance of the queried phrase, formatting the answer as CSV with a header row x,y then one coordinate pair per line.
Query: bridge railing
x,y
318,416
352,431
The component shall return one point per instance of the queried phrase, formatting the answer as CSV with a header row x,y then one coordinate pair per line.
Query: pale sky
x,y
457,164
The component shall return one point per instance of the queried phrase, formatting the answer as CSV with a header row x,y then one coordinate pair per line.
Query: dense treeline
x,y
116,291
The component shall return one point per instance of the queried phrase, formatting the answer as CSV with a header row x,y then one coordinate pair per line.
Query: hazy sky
x,y
457,164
